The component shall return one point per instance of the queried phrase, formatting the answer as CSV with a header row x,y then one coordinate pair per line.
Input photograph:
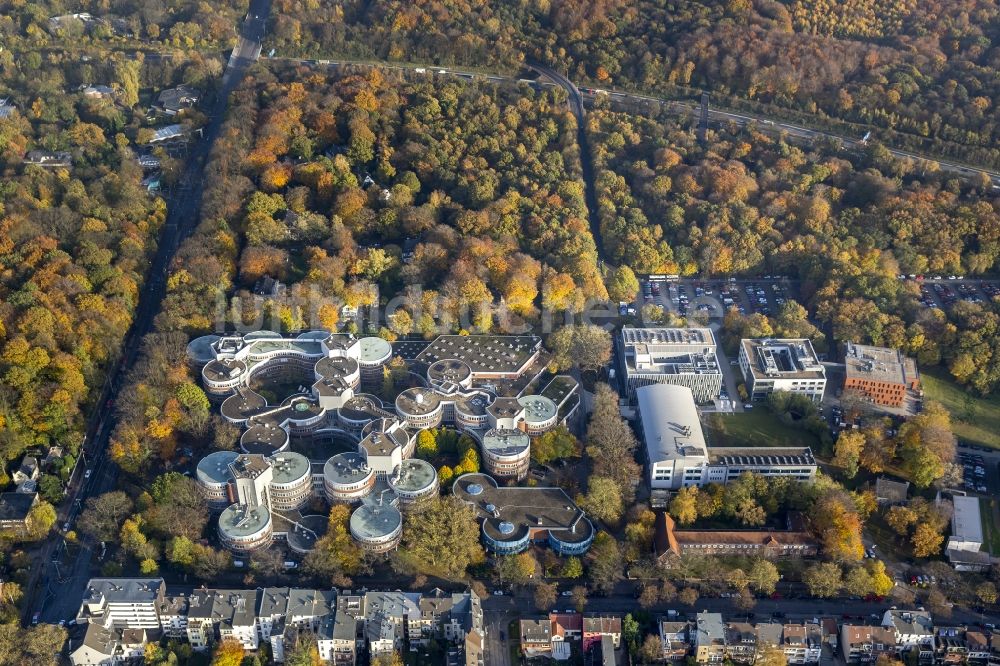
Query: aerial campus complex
x,y
478,385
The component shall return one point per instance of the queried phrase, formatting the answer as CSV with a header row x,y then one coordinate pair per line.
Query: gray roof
x,y
123,590
670,424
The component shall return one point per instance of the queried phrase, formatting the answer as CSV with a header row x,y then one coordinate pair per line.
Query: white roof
x,y
965,522
670,423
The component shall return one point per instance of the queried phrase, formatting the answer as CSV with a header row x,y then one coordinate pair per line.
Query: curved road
x,y
64,580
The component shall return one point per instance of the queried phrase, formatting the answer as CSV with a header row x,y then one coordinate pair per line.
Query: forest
x,y
920,73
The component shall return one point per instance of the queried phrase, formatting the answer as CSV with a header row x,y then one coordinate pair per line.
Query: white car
x,y
567,593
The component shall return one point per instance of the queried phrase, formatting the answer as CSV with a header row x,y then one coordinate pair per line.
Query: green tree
x,y
763,576
443,538
823,579
572,568
603,500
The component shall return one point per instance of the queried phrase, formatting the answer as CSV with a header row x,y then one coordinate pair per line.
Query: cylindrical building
x,y
506,453
347,478
414,481
244,529
374,354
449,374
376,527
214,477
291,483
420,407
540,413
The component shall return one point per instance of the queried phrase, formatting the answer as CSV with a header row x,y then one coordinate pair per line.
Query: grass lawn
x,y
759,427
991,535
975,420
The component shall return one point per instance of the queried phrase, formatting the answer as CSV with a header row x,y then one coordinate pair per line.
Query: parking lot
x,y
938,291
712,298
973,471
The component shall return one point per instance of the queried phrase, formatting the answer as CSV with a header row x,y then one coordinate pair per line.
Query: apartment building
x,y
536,637
122,603
676,356
710,645
671,542
879,374
675,639
791,365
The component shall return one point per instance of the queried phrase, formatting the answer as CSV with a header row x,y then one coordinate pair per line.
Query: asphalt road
x,y
57,584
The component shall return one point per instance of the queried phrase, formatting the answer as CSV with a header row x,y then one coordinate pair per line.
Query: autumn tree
x,y
823,579
545,595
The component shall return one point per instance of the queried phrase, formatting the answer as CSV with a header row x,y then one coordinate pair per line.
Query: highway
x,y
57,585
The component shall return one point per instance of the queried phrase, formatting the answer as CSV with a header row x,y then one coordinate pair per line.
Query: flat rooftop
x,y
783,358
243,404
418,401
249,466
263,438
374,521
966,522
777,455
239,520
505,442
123,590
214,468
677,337
200,349
670,424
345,468
289,467
508,513
537,408
374,350
413,475
879,364
484,354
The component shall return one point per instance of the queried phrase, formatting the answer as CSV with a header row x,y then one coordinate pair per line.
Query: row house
x,y
277,617
912,631
865,644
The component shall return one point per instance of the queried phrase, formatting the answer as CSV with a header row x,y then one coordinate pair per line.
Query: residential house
x,y
913,630
389,616
110,646
957,645
595,627
741,642
889,492
802,643
6,108
25,477
830,632
223,615
864,644
536,637
49,159
709,638
566,626
174,100
54,455
173,614
97,92
675,637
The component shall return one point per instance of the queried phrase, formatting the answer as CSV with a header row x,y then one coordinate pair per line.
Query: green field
x,y
991,535
975,420
759,427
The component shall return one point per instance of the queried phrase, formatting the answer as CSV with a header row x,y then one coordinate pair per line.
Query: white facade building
x,y
781,365
677,356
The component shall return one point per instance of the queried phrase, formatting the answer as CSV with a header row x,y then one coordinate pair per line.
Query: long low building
x,y
678,455
671,542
